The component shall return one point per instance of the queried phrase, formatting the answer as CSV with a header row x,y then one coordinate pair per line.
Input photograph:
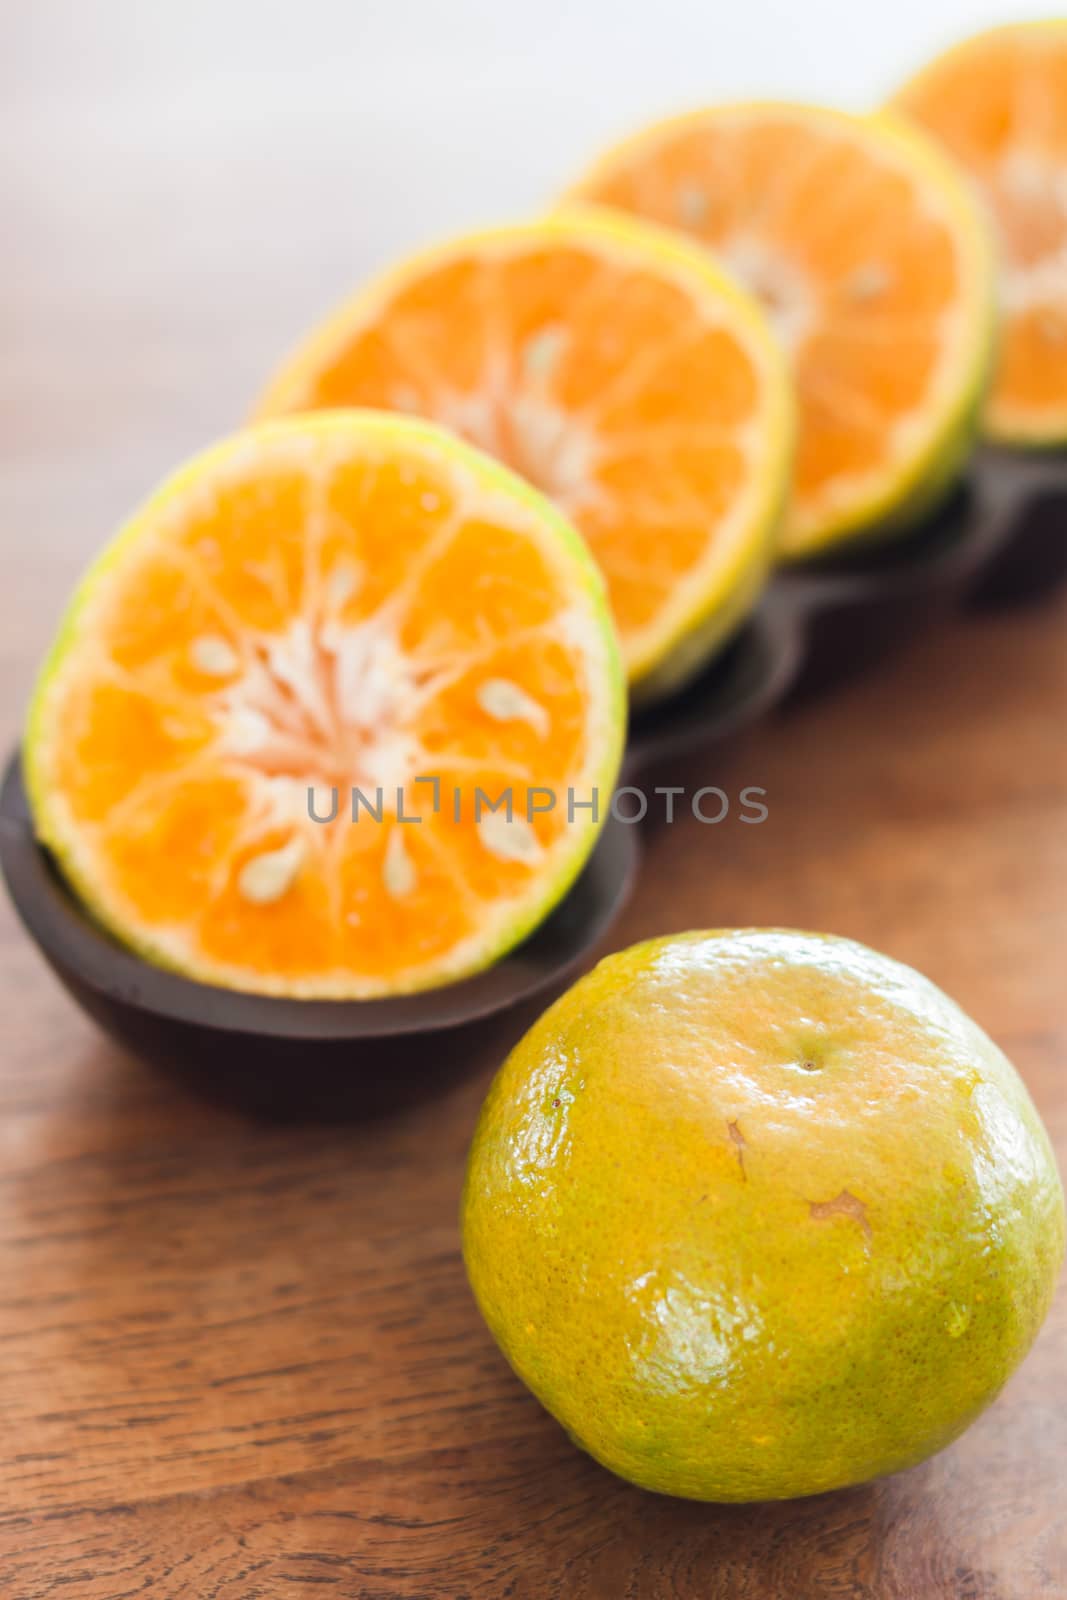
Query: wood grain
x,y
238,1358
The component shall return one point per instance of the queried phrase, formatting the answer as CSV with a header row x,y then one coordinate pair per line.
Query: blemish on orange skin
x,y
844,1204
737,1139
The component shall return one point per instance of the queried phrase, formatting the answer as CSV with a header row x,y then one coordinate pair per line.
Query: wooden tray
x,y
1001,537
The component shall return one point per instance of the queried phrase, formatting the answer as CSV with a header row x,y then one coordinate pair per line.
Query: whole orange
x,y
758,1213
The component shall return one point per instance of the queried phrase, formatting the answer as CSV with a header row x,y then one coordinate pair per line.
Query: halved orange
x,y
872,258
998,103
619,371
329,716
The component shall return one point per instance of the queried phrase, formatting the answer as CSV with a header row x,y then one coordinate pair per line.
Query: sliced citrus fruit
x,y
998,102
622,374
313,634
875,266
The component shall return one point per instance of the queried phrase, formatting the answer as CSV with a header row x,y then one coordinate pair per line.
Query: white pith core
x,y
330,704
1028,191
335,706
778,283
513,416
800,305
513,410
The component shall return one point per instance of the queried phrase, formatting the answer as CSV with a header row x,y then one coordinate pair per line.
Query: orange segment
x,y
618,371
269,741
998,103
872,262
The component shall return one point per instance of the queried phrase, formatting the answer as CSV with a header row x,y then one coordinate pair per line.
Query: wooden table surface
x,y
238,1357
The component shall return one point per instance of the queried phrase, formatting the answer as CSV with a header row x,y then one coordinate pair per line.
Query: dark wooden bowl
x,y
167,1018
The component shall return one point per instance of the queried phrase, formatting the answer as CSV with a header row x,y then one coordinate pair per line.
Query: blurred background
x,y
187,184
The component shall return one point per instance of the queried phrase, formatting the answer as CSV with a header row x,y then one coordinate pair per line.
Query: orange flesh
x,y
618,385
999,104
853,256
312,611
